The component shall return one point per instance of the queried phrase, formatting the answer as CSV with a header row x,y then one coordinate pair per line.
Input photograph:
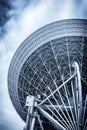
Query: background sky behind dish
x,y
18,19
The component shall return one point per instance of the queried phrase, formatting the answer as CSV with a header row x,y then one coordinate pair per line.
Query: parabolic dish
x,y
45,59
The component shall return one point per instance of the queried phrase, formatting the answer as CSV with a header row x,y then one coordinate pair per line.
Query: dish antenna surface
x,y
47,78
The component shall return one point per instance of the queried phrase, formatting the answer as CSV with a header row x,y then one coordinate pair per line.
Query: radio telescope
x,y
47,78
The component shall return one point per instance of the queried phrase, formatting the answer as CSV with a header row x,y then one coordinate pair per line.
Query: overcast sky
x,y
18,19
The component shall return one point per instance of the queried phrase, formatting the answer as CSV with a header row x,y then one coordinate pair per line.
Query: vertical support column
x,y
30,120
78,92
33,121
41,126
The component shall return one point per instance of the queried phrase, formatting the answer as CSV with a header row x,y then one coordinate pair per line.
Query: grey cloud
x,y
8,125
4,8
10,9
80,8
3,127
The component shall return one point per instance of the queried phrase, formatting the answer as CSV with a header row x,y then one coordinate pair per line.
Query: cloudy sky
x,y
18,19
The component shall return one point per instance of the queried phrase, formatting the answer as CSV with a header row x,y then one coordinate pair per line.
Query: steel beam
x,y
57,89
51,119
56,106
33,121
79,87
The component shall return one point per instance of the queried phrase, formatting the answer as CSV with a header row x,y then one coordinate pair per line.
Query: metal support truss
x,y
78,92
72,120
31,114
57,89
51,119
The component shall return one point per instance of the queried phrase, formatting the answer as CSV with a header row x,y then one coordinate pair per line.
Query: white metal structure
x,y
76,109
47,78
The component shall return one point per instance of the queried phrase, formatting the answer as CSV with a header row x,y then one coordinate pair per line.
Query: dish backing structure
x,y
47,78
